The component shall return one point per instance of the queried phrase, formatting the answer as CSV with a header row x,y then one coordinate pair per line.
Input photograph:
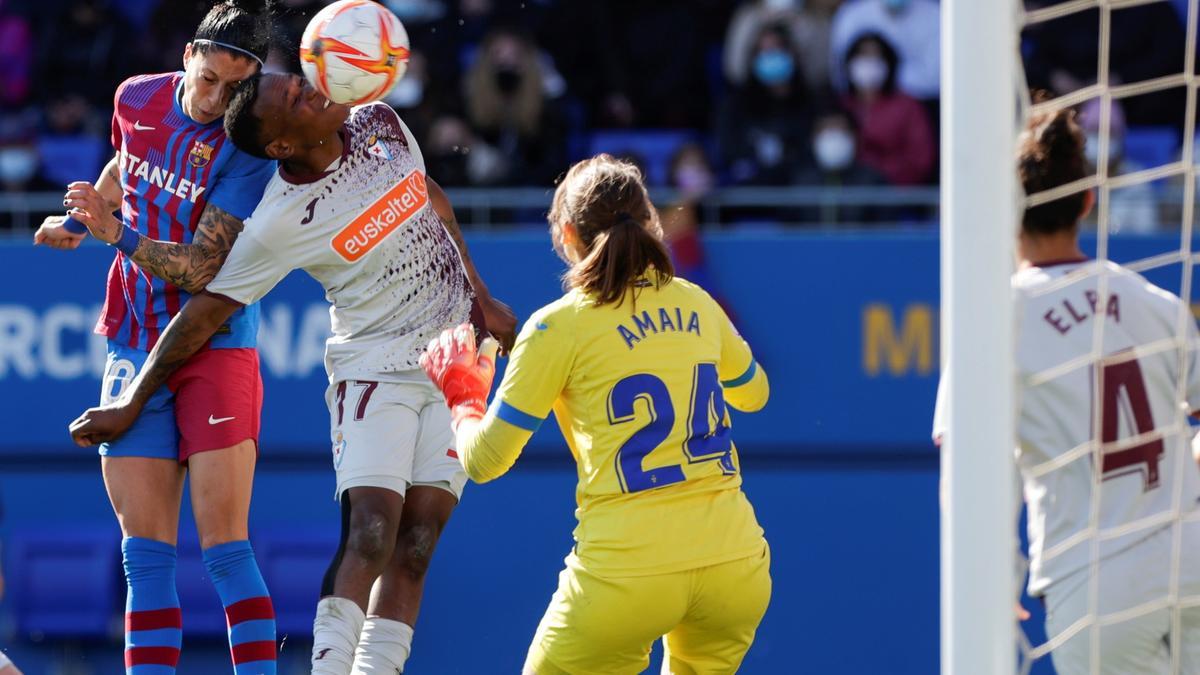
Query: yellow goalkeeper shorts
x,y
605,626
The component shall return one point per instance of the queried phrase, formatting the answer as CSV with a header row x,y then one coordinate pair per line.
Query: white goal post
x,y
979,201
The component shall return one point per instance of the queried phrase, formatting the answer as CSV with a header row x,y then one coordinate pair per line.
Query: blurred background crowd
x,y
821,96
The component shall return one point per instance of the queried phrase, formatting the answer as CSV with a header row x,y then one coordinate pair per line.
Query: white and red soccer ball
x,y
354,51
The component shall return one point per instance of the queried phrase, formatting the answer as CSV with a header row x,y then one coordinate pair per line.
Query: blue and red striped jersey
x,y
171,167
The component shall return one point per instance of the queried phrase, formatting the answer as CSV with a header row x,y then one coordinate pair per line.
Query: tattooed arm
x,y
192,266
200,317
498,317
188,266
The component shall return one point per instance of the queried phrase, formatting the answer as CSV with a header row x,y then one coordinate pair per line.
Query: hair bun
x,y
1059,137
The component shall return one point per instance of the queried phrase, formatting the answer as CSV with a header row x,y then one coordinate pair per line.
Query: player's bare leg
x,y
370,522
222,481
396,598
145,494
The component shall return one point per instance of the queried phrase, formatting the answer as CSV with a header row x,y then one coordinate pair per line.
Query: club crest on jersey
x,y
200,155
376,148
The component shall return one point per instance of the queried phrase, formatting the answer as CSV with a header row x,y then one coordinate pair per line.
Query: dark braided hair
x,y
1050,154
245,24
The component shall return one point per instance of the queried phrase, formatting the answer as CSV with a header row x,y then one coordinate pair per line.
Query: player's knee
x,y
372,536
417,542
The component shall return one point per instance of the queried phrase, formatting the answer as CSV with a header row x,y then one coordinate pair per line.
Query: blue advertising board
x,y
845,326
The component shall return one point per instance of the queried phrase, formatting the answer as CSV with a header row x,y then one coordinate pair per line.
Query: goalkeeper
x,y
638,366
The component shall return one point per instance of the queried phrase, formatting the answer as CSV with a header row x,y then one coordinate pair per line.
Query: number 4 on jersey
x,y
1123,383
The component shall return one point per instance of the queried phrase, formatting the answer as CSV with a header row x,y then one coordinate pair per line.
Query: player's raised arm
x,y
500,319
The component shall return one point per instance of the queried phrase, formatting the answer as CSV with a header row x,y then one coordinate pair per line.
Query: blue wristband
x,y
129,241
74,226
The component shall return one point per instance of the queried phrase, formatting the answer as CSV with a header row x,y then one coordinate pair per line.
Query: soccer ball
x,y
354,51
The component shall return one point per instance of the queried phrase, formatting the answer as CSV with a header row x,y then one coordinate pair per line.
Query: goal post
x,y
979,220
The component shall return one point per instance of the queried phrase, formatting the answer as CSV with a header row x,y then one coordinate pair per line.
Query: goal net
x,y
986,102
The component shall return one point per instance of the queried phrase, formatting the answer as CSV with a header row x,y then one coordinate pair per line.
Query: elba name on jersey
x,y
157,176
381,218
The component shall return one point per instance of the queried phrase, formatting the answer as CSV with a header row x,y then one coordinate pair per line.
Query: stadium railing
x,y
506,207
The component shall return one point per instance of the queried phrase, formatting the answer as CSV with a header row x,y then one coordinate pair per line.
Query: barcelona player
x,y
182,189
638,367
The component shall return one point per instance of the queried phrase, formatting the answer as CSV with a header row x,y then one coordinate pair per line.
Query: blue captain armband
x,y
517,418
743,378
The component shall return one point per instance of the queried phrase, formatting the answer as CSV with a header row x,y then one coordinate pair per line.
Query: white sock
x,y
335,635
384,647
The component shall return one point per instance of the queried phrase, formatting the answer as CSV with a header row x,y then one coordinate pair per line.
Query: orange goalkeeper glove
x,y
462,372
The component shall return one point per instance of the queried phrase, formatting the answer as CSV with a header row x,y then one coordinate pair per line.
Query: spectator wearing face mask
x,y
764,125
808,21
913,27
895,137
457,157
834,147
1130,209
508,107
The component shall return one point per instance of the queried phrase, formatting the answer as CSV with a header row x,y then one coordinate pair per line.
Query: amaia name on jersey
x,y
650,322
1067,315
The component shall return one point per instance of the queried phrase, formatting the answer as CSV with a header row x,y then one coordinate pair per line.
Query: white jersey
x,y
366,230
1055,310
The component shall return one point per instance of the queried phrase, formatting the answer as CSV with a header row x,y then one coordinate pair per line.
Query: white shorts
x,y
1130,579
4,662
392,435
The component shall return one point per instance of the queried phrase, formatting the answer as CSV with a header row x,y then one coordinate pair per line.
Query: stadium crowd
x,y
704,93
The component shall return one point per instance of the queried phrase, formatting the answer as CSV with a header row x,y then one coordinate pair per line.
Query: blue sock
x,y
248,610
153,624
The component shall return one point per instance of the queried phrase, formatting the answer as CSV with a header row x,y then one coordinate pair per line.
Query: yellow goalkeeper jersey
x,y
640,392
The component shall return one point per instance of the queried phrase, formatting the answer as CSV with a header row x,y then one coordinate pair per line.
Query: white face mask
x,y
407,93
17,164
834,149
867,73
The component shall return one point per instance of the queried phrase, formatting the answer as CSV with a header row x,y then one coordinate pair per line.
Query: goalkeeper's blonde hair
x,y
605,200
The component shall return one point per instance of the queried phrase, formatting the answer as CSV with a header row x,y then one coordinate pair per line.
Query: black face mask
x,y
508,80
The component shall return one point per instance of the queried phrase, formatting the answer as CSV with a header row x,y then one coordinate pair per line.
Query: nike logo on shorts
x,y
137,126
218,420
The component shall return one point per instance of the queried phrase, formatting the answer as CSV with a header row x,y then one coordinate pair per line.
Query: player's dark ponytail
x,y
1051,153
241,28
606,201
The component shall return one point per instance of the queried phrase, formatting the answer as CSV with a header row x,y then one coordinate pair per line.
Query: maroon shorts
x,y
218,400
